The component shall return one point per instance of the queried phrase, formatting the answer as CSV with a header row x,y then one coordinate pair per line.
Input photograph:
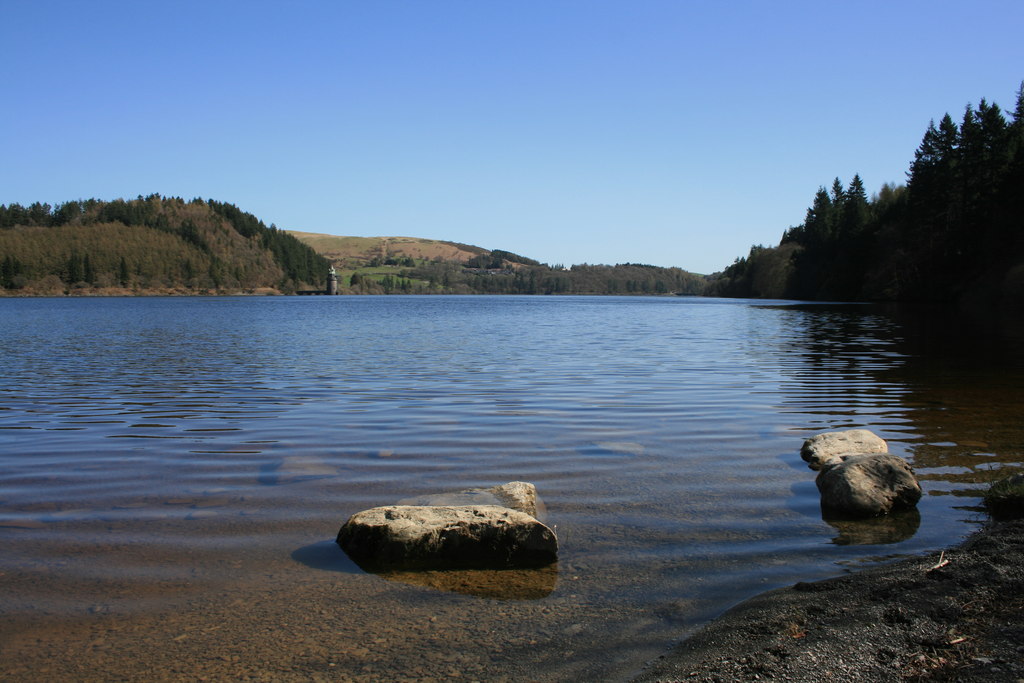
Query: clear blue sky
x,y
669,132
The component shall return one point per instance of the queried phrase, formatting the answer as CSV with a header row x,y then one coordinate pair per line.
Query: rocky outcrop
x,y
867,485
445,537
825,448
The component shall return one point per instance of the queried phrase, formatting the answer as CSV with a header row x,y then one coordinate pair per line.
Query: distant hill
x,y
412,265
149,245
166,245
357,251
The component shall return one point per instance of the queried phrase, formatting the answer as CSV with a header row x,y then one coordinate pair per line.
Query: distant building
x,y
332,282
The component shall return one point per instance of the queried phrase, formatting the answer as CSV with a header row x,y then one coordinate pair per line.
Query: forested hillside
x,y
954,232
149,245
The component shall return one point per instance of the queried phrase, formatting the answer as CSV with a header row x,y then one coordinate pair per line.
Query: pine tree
x,y
1016,129
819,219
855,209
122,272
73,270
88,274
8,270
1010,219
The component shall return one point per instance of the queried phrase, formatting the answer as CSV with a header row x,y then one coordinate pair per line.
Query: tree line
x,y
954,231
527,276
149,243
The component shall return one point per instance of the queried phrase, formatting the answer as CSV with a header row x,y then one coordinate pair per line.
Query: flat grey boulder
x,y
822,449
516,495
867,485
446,537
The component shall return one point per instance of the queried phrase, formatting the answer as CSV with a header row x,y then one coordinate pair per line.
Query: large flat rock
x,y
446,537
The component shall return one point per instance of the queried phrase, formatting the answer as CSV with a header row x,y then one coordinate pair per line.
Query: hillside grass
x,y
347,251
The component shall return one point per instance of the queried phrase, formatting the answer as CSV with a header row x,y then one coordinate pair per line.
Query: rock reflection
x,y
891,528
327,556
497,584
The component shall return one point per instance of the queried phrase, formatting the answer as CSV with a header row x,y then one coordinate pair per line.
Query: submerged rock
x,y
823,449
294,468
516,495
623,447
440,537
867,485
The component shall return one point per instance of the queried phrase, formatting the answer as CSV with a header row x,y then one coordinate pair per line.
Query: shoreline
x,y
949,615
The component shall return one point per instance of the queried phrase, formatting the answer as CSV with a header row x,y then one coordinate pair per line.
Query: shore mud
x,y
953,615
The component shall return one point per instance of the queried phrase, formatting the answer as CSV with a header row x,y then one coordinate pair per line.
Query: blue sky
x,y
666,132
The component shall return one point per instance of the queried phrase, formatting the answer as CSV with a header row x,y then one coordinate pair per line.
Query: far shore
x,y
104,292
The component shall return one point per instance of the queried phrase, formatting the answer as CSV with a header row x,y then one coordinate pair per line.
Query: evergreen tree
x,y
855,209
957,227
68,212
39,214
73,270
1009,220
88,274
10,268
838,192
122,273
1015,134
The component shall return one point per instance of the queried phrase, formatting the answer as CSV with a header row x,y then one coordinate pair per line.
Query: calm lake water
x,y
173,472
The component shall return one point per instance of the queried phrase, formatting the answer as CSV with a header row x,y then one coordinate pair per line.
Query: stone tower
x,y
332,282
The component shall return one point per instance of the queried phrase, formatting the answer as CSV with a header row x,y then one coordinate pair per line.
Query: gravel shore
x,y
950,616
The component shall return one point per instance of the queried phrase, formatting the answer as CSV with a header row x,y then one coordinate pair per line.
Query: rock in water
x,y
517,495
822,449
520,495
295,468
867,485
446,537
1005,498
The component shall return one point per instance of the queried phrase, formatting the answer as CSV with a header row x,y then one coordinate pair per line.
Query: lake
x,y
173,472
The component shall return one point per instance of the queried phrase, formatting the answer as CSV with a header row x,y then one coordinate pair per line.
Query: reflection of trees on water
x,y
945,389
831,361
965,379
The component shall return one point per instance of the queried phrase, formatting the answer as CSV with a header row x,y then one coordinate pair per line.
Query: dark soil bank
x,y
954,616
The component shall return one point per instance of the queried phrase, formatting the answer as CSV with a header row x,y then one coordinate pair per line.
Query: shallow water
x,y
173,472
